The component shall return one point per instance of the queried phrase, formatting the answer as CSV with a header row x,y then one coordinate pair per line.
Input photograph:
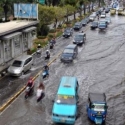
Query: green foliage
x,y
41,37
64,25
50,36
52,31
59,34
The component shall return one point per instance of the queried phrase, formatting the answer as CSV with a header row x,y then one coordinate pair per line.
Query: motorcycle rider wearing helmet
x,y
47,54
46,69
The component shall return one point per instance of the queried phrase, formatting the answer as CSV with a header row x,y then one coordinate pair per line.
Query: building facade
x,y
15,41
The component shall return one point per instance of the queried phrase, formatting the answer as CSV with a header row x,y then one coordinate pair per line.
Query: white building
x,y
15,38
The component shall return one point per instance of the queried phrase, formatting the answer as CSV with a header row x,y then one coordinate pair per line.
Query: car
x,y
91,17
120,11
67,32
69,54
108,20
65,107
20,65
97,108
102,26
87,19
94,25
112,11
97,13
84,22
103,15
107,10
79,39
77,26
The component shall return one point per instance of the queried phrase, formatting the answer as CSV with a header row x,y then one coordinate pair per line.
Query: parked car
x,y
67,32
69,54
84,22
79,38
65,107
108,20
102,25
103,15
94,25
20,65
97,108
77,26
87,19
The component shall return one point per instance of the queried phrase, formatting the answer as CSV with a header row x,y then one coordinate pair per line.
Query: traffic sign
x,y
42,1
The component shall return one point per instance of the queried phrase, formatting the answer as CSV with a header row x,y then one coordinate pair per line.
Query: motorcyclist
x,y
30,84
53,41
46,69
47,54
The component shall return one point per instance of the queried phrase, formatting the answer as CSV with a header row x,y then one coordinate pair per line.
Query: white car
x,y
103,15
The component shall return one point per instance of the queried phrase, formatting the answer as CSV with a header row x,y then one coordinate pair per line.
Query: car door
x,y
25,68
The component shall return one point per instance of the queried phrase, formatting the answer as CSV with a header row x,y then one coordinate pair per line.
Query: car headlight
x,y
69,34
17,71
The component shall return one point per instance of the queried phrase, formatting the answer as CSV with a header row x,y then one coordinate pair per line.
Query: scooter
x,y
51,45
28,92
42,95
45,74
47,56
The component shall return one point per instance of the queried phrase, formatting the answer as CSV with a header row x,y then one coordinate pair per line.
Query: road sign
x,y
42,1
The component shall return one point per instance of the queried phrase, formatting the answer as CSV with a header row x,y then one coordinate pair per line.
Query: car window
x,y
65,99
68,51
26,62
68,31
79,36
17,63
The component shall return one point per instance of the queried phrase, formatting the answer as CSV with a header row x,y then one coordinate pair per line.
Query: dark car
x,y
94,25
107,10
79,38
102,25
70,52
84,22
67,32
77,26
87,19
97,13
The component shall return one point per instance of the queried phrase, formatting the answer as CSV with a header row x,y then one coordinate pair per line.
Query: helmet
x,y
47,50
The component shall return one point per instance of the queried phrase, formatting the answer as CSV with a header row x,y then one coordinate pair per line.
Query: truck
x,y
112,11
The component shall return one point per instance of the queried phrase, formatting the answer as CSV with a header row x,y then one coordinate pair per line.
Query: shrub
x,y
78,19
69,22
50,36
52,31
41,37
64,25
59,34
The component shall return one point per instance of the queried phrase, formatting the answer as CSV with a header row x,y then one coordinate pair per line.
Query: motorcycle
x,y
45,74
39,98
51,45
28,92
47,56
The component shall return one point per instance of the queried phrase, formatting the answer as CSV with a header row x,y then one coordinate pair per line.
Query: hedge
x,y
41,37
52,31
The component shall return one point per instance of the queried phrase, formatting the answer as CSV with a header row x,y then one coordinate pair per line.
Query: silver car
x,y
20,65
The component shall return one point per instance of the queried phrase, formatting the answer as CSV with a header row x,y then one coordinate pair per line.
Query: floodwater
x,y
99,67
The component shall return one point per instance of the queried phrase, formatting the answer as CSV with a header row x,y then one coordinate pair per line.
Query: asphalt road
x,y
99,68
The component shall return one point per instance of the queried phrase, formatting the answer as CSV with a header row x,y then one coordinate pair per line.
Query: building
x,y
15,39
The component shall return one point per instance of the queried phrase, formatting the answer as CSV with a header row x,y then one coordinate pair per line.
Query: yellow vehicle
x,y
120,11
112,11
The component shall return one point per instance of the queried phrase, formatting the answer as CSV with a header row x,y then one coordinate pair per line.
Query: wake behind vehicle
x,y
79,38
65,104
67,32
97,108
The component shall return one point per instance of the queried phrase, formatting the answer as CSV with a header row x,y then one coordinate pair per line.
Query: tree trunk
x,y
74,15
84,9
99,3
89,7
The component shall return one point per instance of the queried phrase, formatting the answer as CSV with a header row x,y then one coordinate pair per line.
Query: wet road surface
x,y
100,67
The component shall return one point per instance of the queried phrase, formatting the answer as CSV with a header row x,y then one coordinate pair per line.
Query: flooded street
x,y
99,67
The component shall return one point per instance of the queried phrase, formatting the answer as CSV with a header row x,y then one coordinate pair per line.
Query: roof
x,y
8,27
97,97
29,29
11,35
70,46
23,58
67,86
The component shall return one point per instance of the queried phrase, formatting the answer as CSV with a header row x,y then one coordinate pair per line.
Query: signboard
x,y
42,1
29,11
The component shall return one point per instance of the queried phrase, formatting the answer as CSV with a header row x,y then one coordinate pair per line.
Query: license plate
x,y
62,120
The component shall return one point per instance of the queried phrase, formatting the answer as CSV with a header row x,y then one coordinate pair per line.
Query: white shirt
x,y
39,92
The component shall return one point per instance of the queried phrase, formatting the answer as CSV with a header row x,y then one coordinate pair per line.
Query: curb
x,y
5,105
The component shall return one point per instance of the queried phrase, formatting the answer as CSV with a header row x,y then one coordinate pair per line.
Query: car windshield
x,y
94,23
102,24
79,37
68,51
98,107
67,31
65,99
17,63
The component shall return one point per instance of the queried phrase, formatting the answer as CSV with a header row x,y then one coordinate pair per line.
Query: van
x,y
20,65
70,52
65,104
